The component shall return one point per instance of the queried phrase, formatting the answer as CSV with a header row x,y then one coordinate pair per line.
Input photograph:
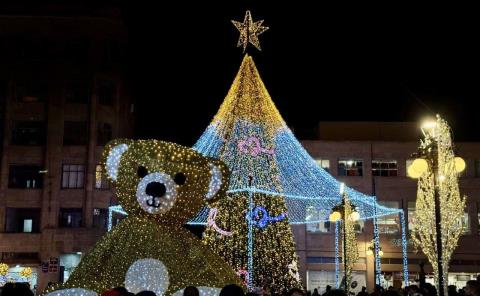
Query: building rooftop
x,y
368,131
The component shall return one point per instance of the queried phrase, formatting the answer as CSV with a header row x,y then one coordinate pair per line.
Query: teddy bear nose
x,y
155,189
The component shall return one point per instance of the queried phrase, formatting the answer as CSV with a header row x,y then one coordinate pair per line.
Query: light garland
x,y
351,255
452,204
26,272
149,249
211,223
260,218
246,276
3,269
337,255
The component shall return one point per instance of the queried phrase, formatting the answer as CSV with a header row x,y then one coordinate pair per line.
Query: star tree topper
x,y
249,31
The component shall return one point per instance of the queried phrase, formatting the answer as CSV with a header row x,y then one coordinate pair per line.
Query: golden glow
x,y
249,31
248,90
429,124
335,216
420,165
156,235
459,164
369,252
380,253
412,173
26,272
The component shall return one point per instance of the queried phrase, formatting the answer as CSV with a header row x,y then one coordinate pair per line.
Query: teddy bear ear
x,y
219,180
112,154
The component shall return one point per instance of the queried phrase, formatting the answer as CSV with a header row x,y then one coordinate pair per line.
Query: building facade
x,y
62,97
372,157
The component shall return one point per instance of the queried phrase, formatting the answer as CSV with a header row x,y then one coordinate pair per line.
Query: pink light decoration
x,y
212,215
256,149
245,274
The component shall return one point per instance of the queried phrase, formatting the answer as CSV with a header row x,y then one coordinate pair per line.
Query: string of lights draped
x,y
439,205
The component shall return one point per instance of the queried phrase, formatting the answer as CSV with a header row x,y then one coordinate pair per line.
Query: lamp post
x,y
427,158
371,250
339,213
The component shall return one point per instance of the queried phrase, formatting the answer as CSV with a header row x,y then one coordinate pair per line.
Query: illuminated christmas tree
x,y
248,148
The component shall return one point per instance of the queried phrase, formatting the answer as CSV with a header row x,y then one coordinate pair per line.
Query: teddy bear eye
x,y
179,178
142,171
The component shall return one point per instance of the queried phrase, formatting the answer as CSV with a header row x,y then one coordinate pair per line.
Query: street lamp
x,y
339,212
427,157
371,249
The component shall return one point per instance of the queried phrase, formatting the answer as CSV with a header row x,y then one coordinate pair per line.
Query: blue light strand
x,y
116,209
250,243
376,237
337,255
303,183
404,249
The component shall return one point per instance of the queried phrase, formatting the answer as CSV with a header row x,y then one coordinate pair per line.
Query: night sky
x,y
319,62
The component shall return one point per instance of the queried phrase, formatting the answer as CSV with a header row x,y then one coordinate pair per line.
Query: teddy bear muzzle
x,y
156,193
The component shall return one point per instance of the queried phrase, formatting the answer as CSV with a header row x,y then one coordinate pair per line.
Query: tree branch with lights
x,y
439,206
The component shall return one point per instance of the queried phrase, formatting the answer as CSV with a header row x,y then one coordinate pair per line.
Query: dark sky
x,y
319,62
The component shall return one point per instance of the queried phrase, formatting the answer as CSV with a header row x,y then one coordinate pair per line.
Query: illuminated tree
x,y
439,206
251,220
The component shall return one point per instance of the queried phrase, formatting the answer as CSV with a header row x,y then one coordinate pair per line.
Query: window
x,y
465,223
20,220
389,224
77,92
25,176
106,92
73,175
412,208
75,133
359,226
478,217
315,215
477,168
71,218
384,168
29,133
324,164
350,167
104,134
101,181
100,218
31,91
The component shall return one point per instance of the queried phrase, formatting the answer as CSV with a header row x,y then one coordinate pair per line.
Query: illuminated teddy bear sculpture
x,y
161,186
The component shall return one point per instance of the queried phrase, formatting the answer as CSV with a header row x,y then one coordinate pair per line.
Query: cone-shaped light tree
x,y
251,220
439,206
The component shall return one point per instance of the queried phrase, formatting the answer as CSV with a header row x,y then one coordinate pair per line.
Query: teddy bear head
x,y
163,181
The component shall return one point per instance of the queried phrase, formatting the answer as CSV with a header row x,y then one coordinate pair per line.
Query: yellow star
x,y
249,31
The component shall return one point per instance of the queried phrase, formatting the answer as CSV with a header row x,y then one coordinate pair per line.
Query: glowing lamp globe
x,y
335,216
459,164
412,173
355,216
420,165
369,252
380,253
